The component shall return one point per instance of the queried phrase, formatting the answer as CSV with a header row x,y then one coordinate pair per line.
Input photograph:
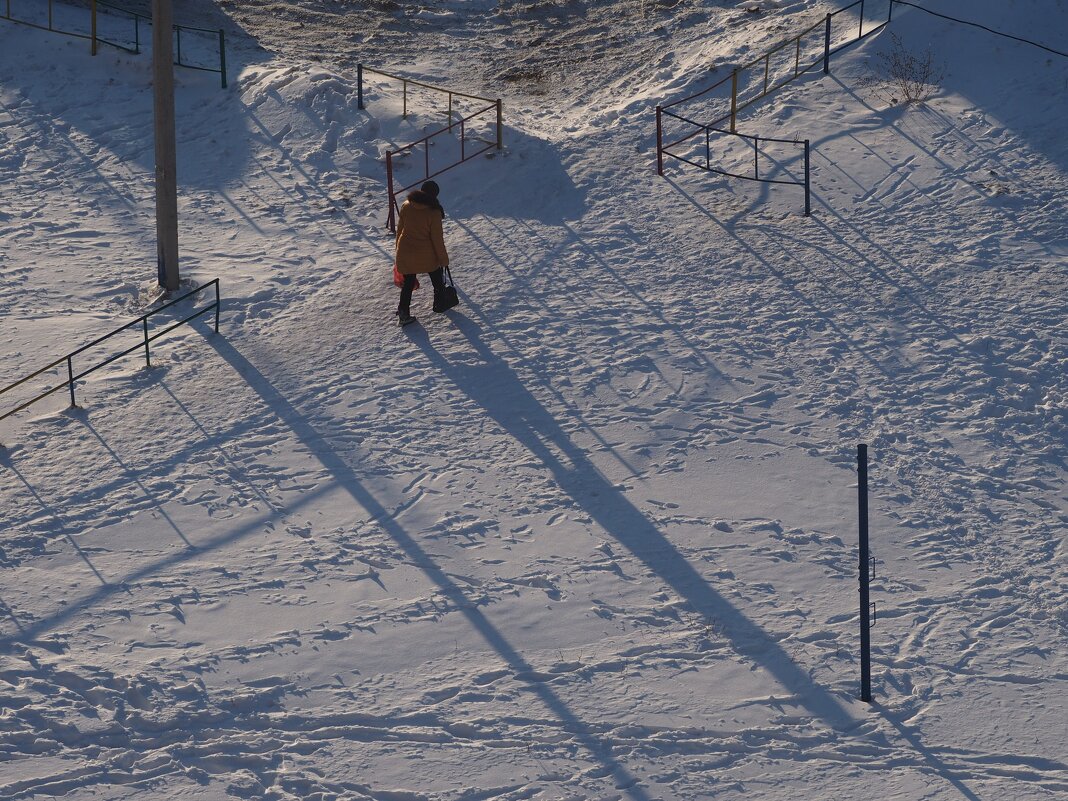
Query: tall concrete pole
x,y
166,161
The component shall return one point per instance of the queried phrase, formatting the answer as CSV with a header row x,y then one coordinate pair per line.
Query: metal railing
x,y
465,155
748,85
708,130
131,44
406,82
760,77
72,377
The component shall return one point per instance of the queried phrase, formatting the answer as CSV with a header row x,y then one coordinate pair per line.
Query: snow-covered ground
x,y
592,535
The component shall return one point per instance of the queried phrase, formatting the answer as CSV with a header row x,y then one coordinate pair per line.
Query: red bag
x,y
398,279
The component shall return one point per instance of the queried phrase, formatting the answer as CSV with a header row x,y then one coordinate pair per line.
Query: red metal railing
x,y
468,149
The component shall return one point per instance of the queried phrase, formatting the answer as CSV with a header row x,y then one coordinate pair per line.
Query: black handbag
x,y
449,296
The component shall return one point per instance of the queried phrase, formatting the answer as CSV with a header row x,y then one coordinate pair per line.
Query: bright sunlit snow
x,y
593,533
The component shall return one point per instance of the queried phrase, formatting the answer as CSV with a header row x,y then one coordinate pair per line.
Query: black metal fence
x,y
105,23
147,338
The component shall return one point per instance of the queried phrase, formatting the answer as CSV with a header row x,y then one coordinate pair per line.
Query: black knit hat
x,y
431,188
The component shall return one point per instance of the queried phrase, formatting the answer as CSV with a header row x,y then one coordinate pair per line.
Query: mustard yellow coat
x,y
420,240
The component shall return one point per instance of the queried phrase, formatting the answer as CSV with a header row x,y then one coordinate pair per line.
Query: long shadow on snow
x,y
346,479
498,390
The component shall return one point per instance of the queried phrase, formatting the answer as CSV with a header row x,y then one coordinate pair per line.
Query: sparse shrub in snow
x,y
903,77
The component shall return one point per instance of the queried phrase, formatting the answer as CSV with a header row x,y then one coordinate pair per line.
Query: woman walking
x,y
421,249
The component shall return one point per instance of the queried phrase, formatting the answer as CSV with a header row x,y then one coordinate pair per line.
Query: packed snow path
x,y
592,534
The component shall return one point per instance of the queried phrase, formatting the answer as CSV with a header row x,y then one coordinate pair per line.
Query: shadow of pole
x,y
348,481
498,390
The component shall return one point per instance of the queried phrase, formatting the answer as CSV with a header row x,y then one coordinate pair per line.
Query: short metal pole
x,y
500,124
756,157
70,381
808,193
222,57
426,146
137,34
359,86
49,14
890,11
827,46
148,360
463,137
734,97
797,58
450,112
92,47
178,36
217,305
865,624
767,71
404,113
659,142
392,219
860,34
708,148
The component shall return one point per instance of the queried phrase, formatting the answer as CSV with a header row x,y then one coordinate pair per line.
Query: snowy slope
x,y
591,535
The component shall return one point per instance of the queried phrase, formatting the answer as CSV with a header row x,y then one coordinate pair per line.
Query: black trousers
x,y
437,278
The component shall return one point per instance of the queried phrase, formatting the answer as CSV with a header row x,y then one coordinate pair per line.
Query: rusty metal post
x,y
659,142
827,46
734,97
500,124
392,218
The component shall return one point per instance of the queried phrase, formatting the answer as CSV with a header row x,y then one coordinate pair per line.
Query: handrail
x,y
443,130
391,217
796,38
707,130
142,320
95,37
404,80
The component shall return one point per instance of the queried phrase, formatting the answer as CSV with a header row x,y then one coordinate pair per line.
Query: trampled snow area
x,y
591,535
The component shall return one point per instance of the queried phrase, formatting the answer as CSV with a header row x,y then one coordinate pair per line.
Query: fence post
x,y
797,58
734,97
216,305
391,220
49,14
860,33
450,112
463,141
708,148
148,360
404,112
827,46
137,34
767,69
865,626
659,143
92,25
808,193
70,381
178,36
756,157
890,11
500,124
359,86
222,57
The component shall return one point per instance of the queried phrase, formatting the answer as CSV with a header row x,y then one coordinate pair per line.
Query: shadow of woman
x,y
493,385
